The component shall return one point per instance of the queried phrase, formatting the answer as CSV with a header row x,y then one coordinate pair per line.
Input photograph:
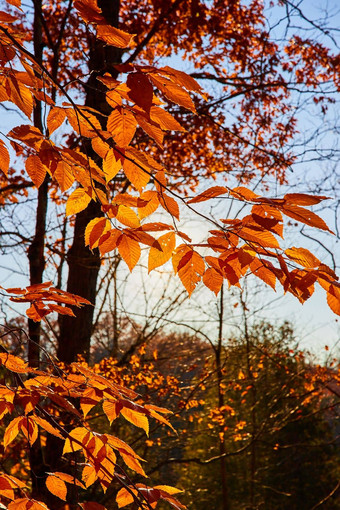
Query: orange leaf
x,y
158,258
127,216
152,130
110,409
190,267
4,158
303,257
79,433
213,280
173,92
56,486
138,177
55,118
305,216
333,299
152,203
27,504
132,463
36,170
77,201
215,191
262,272
111,165
114,36
183,79
169,204
30,429
108,241
44,424
63,175
303,199
122,125
94,230
164,119
129,250
13,363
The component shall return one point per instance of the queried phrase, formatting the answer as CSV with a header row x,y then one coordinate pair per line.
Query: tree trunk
x,y
221,403
36,250
84,264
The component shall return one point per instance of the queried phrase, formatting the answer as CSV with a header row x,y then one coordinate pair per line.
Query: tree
x,y
105,168
279,426
248,66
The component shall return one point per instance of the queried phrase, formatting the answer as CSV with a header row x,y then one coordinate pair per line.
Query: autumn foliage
x,y
119,163
234,247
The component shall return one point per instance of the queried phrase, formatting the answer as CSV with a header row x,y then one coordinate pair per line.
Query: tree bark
x,y
36,250
221,403
84,264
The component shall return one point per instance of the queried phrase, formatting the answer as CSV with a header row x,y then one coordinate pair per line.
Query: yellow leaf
x,y
47,426
79,434
132,463
158,258
63,174
138,419
168,489
12,431
138,177
124,498
110,409
56,486
36,170
127,216
111,165
77,201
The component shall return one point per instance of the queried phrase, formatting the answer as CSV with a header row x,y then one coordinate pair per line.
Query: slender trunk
x,y
36,250
253,417
115,340
222,448
83,264
36,260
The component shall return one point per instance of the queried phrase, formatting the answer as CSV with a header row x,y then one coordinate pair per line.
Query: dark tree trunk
x,y
36,250
83,264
